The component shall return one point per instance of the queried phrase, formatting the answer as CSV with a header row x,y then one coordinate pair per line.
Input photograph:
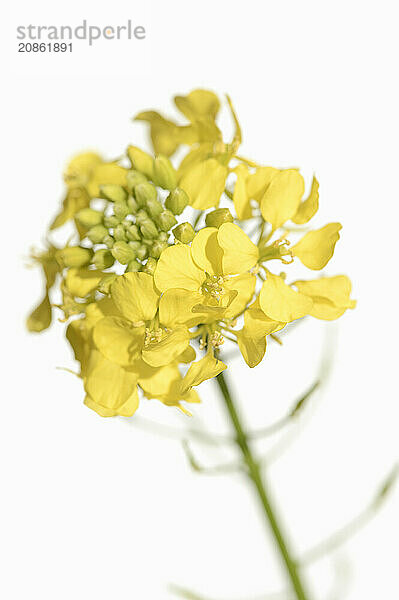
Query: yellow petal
x,y
282,197
165,134
257,324
203,369
157,381
107,173
118,341
40,317
193,157
316,248
80,169
206,251
330,295
135,296
168,349
197,104
108,384
77,335
239,253
176,269
81,282
280,302
75,200
187,356
175,308
252,349
258,182
204,183
244,285
141,161
241,197
309,207
125,410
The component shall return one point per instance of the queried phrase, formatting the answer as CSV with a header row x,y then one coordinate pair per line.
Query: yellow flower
x,y
138,333
212,277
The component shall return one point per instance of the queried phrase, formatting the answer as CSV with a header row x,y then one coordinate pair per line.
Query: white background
x,y
101,508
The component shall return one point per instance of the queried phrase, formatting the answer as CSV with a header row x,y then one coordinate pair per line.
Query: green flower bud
x,y
164,173
74,256
97,234
114,193
89,217
141,216
121,209
120,233
132,205
154,207
133,266
105,284
133,178
123,252
111,221
144,192
109,241
149,229
149,266
184,233
135,245
177,201
103,259
132,233
217,217
163,236
166,220
157,248
142,252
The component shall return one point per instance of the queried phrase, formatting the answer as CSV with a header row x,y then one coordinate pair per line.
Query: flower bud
x,y
111,221
114,193
132,233
166,220
163,236
121,209
74,256
149,229
103,259
142,252
164,173
97,233
135,245
132,205
120,233
105,284
154,207
177,201
157,248
133,266
217,217
150,266
184,233
133,178
141,216
123,253
89,217
109,241
144,192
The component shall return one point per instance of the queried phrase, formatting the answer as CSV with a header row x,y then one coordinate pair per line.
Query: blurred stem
x,y
254,472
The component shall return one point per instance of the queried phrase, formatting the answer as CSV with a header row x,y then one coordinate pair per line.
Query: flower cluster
x,y
162,269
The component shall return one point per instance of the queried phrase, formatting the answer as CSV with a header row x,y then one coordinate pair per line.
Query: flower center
x,y
152,335
213,285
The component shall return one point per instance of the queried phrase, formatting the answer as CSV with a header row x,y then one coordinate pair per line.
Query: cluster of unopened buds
x,y
171,259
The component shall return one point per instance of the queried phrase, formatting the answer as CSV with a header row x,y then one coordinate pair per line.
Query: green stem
x,y
255,474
